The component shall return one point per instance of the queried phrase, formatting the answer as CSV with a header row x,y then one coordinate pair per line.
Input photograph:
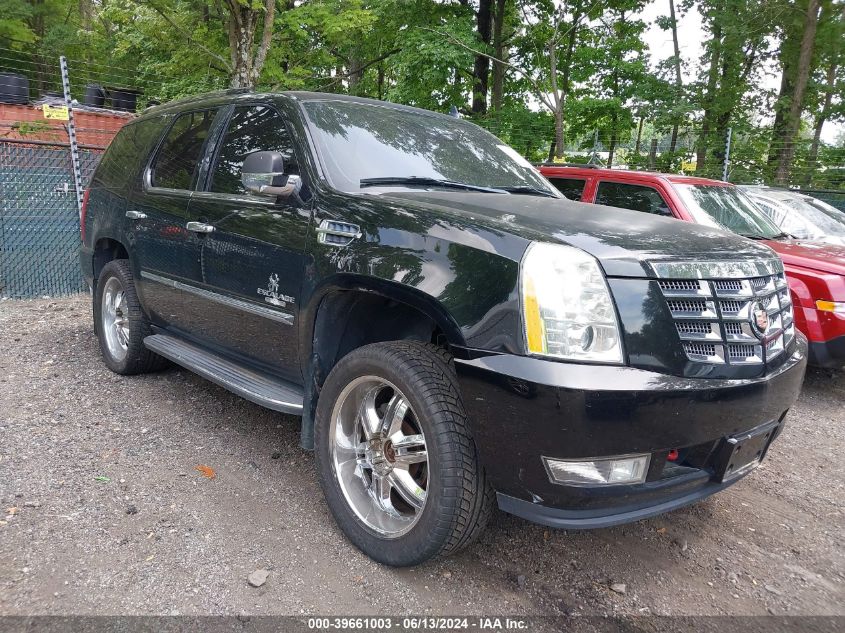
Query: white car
x,y
800,215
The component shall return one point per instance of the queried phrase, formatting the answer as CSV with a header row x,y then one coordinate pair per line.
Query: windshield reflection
x,y
726,208
358,141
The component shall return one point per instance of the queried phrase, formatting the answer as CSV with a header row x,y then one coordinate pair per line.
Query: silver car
x,y
800,215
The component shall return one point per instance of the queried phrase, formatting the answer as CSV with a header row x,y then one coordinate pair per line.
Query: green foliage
x,y
422,52
14,23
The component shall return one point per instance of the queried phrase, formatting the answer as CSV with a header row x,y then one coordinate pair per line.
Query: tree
x,y
611,68
796,56
827,91
481,69
14,23
241,25
503,31
676,64
738,31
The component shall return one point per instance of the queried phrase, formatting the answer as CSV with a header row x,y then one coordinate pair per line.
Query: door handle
x,y
199,227
135,215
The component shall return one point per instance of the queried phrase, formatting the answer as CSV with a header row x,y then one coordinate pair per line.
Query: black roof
x,y
233,94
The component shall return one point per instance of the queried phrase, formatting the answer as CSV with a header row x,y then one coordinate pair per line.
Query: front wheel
x,y
395,455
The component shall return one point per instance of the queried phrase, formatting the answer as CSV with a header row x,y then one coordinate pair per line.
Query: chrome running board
x,y
256,386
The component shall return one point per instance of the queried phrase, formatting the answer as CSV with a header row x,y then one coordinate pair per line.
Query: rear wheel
x,y
120,323
396,459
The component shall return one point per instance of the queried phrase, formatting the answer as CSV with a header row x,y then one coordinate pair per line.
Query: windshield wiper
x,y
528,191
419,181
755,236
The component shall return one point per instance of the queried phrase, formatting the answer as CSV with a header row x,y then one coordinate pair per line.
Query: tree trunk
x,y
791,99
820,120
243,20
722,115
559,147
679,82
611,150
639,135
481,69
560,95
355,74
614,119
86,14
709,96
499,52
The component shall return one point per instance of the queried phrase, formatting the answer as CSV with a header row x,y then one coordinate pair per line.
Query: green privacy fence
x,y
39,220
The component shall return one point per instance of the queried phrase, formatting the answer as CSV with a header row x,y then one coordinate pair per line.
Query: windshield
x,y
726,208
361,141
816,223
826,208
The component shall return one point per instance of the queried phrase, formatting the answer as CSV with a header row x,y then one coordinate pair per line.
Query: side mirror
x,y
263,173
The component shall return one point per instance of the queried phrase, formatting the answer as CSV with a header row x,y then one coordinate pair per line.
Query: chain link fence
x,y
39,219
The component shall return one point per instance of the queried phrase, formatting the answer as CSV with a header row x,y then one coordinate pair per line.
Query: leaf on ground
x,y
207,471
102,479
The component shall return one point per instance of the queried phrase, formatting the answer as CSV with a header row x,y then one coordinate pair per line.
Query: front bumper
x,y
522,409
829,354
826,333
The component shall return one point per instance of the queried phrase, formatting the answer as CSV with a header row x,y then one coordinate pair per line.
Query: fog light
x,y
624,469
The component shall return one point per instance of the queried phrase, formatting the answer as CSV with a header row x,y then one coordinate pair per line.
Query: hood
x,y
625,242
826,258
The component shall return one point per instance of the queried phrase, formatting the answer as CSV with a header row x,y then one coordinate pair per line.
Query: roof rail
x,y
582,165
198,97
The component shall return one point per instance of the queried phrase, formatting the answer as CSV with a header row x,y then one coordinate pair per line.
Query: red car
x,y
815,271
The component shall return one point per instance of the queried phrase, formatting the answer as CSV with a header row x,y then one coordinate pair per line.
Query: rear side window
x,y
176,164
127,153
634,197
572,188
251,129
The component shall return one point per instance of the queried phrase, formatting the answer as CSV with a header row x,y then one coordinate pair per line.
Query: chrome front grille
x,y
717,320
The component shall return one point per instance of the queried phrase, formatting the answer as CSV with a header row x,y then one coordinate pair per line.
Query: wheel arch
x,y
107,249
373,311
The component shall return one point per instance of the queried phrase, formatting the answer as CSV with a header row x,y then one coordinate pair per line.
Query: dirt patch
x,y
112,516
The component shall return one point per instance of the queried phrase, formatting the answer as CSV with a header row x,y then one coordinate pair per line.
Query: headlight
x,y
566,305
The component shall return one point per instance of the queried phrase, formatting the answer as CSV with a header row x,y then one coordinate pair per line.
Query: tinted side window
x,y
177,162
572,188
127,152
636,197
251,129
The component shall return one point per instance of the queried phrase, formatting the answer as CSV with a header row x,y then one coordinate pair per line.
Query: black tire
x,y
460,501
138,359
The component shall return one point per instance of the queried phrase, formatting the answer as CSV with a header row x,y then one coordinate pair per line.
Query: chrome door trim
x,y
717,270
237,304
165,191
199,227
213,196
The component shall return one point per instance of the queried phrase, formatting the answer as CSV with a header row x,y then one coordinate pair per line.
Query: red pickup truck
x,y
815,271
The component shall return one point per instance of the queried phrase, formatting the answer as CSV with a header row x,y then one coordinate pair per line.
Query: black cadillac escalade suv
x,y
453,333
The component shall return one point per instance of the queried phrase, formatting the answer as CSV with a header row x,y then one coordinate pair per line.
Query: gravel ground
x,y
102,511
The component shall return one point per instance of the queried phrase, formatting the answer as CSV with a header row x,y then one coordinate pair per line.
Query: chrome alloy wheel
x,y
115,319
379,456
